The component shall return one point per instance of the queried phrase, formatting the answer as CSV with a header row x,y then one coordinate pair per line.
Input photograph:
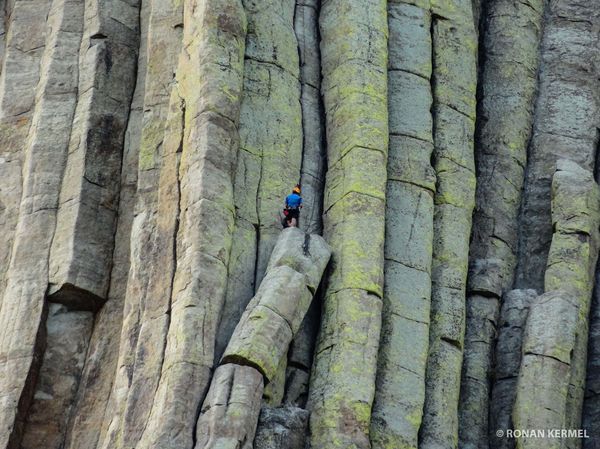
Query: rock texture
x,y
543,383
454,67
510,43
571,265
400,389
509,344
354,65
281,428
448,156
259,344
230,411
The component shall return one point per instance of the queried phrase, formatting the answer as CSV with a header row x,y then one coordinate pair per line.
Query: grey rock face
x,y
446,150
565,126
403,348
274,315
543,384
354,66
258,347
281,428
571,265
454,62
81,254
511,39
43,157
230,412
511,326
67,338
150,274
270,156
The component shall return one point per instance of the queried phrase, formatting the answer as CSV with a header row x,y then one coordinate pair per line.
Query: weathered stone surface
x,y
566,121
274,315
354,66
197,217
230,411
23,311
240,281
82,249
261,338
92,403
571,265
270,154
210,79
308,254
482,319
508,81
145,317
543,382
591,404
67,338
312,175
454,67
300,356
297,381
508,85
260,341
347,353
400,388
24,45
281,428
275,389
511,325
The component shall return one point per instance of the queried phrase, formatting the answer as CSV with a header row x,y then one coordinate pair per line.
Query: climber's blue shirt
x,y
293,200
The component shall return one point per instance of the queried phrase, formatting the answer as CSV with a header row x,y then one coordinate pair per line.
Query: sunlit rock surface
x,y
447,152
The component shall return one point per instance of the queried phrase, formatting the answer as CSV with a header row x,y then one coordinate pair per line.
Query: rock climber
x,y
293,204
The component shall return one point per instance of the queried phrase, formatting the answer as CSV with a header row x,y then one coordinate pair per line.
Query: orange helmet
x,y
297,189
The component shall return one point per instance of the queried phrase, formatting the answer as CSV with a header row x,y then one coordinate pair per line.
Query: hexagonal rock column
x,y
454,74
551,381
544,378
566,122
83,245
508,85
571,265
230,411
354,61
511,326
260,341
281,428
402,359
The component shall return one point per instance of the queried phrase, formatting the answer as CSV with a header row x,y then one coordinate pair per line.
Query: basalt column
x,y
571,266
23,47
306,26
512,33
83,243
270,153
82,249
551,379
24,309
229,415
454,84
93,402
354,65
509,343
398,406
566,123
543,382
146,304
210,85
